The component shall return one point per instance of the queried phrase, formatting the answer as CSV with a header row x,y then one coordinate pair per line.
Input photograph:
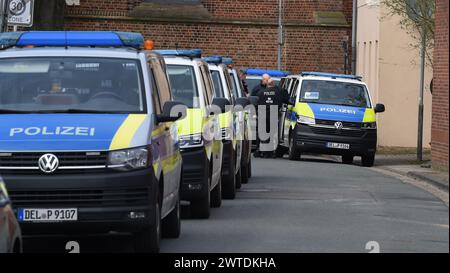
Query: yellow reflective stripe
x,y
160,130
303,109
369,115
170,163
192,123
126,132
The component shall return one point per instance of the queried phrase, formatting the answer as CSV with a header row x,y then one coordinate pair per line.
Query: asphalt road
x,y
314,205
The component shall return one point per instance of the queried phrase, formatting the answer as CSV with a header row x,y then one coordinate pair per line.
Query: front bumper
x,y
310,139
195,180
104,200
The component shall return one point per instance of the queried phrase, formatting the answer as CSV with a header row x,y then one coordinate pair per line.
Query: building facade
x,y
439,133
314,30
391,67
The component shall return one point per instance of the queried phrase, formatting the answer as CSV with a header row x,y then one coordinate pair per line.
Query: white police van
x,y
87,140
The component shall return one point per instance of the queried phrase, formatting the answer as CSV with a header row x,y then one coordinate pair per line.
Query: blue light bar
x,y
190,53
72,38
272,73
331,75
213,59
227,60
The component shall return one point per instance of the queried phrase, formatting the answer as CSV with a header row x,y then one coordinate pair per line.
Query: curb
x,y
434,182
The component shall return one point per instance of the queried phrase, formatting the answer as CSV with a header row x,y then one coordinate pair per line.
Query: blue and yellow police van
x,y
201,147
329,114
232,127
88,140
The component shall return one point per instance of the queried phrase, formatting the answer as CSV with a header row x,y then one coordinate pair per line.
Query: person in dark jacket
x,y
257,89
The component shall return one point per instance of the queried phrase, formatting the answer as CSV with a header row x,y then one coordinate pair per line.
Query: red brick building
x,y
440,125
245,29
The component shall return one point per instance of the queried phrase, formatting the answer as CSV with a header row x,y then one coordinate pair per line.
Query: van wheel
x,y
148,240
250,168
294,154
239,178
229,181
200,207
347,159
245,172
216,195
171,225
368,160
280,151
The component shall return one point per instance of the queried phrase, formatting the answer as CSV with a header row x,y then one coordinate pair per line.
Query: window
x,y
184,85
218,88
337,93
161,81
59,84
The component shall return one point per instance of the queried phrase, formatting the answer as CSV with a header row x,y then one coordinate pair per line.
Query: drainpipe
x,y
354,31
3,15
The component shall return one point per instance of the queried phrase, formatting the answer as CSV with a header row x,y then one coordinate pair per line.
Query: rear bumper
x,y
104,201
364,142
195,180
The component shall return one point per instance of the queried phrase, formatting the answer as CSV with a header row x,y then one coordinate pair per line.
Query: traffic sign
x,y
20,13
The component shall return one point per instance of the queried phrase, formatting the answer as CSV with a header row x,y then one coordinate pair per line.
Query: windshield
x,y
337,93
71,84
218,88
183,84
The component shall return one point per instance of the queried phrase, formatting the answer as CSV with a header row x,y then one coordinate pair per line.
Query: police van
x,y
201,149
232,127
254,76
329,114
88,143
249,124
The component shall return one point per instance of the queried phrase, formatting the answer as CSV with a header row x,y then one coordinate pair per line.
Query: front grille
x,y
346,124
336,132
80,198
28,161
193,176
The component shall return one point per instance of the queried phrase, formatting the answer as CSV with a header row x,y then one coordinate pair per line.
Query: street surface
x,y
314,205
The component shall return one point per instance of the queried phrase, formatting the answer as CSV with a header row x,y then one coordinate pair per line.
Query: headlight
x,y
127,160
306,120
369,125
191,141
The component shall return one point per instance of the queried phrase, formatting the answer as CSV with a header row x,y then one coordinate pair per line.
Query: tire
x,y
280,152
216,195
148,240
347,159
239,178
368,160
171,225
229,181
250,168
245,172
200,207
293,153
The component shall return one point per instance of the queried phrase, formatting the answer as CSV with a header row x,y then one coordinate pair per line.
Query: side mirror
x,y
172,111
253,100
291,101
4,199
379,108
244,102
222,103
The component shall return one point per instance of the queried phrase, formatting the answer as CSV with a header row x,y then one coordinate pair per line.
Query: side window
x,y
205,85
162,82
293,91
155,93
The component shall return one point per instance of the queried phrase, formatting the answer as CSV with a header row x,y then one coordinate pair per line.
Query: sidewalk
x,y
406,164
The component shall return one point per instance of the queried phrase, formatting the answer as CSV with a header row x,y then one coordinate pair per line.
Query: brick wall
x,y
244,29
440,124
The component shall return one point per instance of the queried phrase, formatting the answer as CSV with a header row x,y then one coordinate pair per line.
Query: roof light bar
x,y
214,59
190,53
227,60
272,73
331,75
71,38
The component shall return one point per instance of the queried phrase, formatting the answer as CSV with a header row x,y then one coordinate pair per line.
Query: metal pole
x,y
354,32
421,91
3,15
280,33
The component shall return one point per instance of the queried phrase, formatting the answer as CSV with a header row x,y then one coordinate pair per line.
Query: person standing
x,y
257,89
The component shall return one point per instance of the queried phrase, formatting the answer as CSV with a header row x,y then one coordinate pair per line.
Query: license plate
x,y
47,215
342,146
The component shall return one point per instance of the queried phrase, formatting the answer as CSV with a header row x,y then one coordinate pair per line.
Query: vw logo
x,y
338,125
48,163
